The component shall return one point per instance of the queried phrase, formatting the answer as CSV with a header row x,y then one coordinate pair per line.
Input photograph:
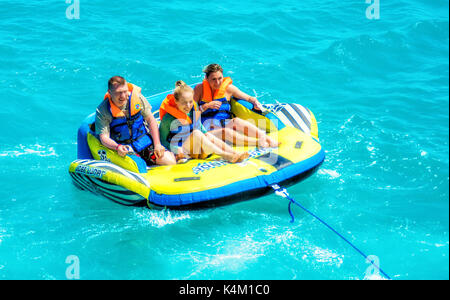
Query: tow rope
x,y
282,192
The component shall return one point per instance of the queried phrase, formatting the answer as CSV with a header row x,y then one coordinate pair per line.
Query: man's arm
x,y
102,121
153,127
150,119
108,142
154,130
102,129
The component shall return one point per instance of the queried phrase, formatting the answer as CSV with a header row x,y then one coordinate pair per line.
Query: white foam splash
x,y
373,277
36,149
2,235
333,174
232,255
327,256
160,218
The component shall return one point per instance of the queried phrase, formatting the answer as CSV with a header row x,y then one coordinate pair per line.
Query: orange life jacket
x,y
181,133
224,112
169,106
218,94
129,129
135,106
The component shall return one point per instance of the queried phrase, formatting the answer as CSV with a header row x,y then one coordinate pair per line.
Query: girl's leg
x,y
167,159
208,147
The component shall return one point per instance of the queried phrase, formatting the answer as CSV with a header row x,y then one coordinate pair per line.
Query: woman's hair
x,y
181,87
212,68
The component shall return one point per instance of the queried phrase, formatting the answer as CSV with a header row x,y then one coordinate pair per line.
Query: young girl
x,y
181,130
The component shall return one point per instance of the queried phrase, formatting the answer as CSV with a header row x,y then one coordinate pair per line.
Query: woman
x,y
213,96
182,132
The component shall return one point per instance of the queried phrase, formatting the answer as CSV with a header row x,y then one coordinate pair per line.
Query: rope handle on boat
x,y
282,192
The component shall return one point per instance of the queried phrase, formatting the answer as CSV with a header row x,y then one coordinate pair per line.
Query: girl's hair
x,y
212,68
181,87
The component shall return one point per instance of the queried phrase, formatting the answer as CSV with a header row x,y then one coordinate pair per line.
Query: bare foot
x,y
273,143
232,158
243,156
180,156
203,156
263,144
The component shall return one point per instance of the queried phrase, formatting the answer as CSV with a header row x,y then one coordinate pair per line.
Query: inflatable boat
x,y
203,182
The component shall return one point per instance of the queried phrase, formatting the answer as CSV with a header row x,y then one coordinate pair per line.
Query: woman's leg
x,y
235,137
251,130
225,147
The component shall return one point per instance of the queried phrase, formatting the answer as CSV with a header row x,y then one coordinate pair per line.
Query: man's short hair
x,y
212,68
115,81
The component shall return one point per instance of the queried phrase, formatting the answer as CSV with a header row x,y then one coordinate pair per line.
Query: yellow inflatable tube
x,y
204,182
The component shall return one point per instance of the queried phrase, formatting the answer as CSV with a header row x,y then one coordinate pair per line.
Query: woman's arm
x,y
198,91
238,94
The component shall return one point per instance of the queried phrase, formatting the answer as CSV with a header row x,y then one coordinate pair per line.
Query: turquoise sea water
x,y
378,87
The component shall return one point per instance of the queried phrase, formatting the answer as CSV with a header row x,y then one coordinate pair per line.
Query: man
x,y
213,96
119,123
